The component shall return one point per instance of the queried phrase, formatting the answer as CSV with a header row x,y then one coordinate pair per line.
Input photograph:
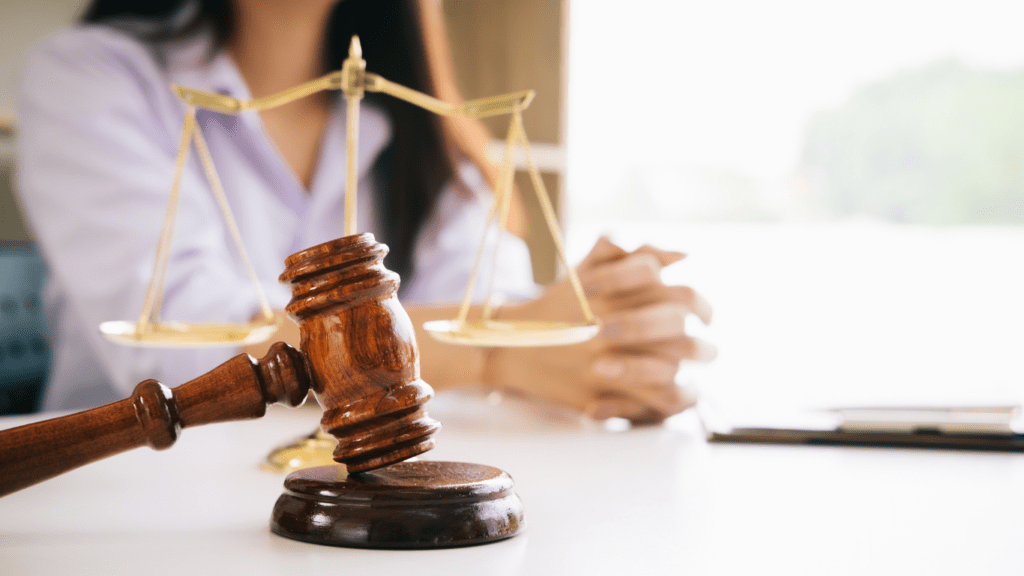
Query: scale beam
x,y
354,81
478,108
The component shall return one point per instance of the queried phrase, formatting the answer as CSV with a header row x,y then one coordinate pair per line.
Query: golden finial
x,y
355,49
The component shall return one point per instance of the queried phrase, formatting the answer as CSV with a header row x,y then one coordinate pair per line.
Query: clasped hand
x,y
629,369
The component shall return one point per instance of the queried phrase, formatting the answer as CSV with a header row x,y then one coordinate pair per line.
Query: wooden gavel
x,y
358,357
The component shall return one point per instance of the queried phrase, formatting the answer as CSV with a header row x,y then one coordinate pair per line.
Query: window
x,y
847,178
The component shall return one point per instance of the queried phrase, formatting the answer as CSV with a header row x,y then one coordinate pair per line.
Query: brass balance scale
x,y
353,80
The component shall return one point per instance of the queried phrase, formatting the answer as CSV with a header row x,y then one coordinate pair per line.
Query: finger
x,y
646,380
639,414
604,250
672,350
662,294
665,257
617,406
662,321
640,388
697,304
641,404
701,350
625,372
627,274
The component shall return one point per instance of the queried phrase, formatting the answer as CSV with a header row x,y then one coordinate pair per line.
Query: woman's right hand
x,y
628,370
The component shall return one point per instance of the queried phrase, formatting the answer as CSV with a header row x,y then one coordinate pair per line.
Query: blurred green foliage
x,y
941,144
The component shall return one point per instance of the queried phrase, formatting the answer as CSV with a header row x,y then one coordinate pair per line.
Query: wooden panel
x,y
542,247
505,45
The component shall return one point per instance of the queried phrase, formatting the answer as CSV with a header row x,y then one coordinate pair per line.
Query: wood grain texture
x,y
154,415
361,352
407,505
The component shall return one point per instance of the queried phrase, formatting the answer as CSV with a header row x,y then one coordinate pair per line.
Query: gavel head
x,y
360,349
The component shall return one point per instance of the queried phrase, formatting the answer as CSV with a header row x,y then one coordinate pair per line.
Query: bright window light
x,y
848,178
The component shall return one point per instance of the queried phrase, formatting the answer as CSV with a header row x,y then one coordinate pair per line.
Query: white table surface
x,y
656,500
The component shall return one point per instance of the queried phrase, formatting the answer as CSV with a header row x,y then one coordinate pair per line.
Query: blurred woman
x,y
99,136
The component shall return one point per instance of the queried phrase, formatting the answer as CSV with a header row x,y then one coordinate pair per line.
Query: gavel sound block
x,y
360,360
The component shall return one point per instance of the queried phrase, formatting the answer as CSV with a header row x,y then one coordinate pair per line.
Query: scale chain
x,y
552,220
222,201
154,292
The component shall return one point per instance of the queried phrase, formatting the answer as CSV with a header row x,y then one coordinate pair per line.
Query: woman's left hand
x,y
628,370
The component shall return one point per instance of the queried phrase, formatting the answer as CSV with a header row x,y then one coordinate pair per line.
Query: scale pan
x,y
505,333
183,335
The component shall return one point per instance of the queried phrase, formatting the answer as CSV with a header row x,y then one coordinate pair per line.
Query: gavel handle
x,y
238,389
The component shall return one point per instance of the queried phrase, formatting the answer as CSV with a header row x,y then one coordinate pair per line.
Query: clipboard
x,y
992,428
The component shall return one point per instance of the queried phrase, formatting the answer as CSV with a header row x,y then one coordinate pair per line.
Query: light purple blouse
x,y
98,137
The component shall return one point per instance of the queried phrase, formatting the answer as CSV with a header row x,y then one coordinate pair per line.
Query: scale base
x,y
409,505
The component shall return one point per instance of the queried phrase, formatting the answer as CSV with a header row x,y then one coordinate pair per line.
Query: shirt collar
x,y
196,63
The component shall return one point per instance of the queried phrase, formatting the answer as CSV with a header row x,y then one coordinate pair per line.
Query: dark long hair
x,y
419,160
